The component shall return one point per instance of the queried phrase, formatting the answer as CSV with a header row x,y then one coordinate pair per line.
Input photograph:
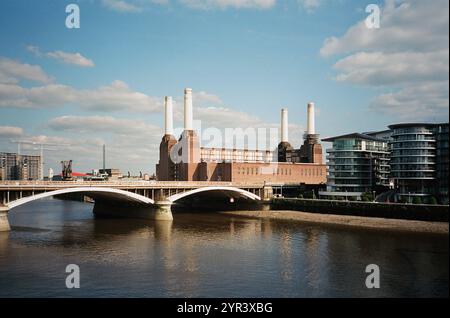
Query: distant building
x,y
357,164
19,167
76,176
301,166
419,162
112,173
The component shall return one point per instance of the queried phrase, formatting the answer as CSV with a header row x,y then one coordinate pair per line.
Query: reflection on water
x,y
209,255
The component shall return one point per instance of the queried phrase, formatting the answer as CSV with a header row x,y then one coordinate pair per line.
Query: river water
x,y
210,255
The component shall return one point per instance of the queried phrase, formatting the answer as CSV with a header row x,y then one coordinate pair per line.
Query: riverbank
x,y
350,221
415,212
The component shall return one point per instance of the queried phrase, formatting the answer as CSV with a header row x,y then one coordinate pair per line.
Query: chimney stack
x,y
168,108
284,125
311,129
188,109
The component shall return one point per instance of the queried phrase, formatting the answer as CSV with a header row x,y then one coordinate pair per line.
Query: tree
x,y
366,197
433,201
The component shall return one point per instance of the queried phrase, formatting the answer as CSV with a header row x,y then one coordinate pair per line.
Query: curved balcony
x,y
398,140
411,155
405,132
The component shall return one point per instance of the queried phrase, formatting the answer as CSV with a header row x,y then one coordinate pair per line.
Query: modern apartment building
x,y
357,164
442,163
19,167
419,161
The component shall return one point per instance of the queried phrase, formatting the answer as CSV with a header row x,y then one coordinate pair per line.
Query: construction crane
x,y
66,170
40,148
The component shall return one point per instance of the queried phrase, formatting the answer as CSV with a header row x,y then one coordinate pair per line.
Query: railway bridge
x,y
138,199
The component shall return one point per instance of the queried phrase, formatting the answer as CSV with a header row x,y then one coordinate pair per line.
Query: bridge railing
x,y
124,183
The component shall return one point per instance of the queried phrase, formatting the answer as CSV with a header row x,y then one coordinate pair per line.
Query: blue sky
x,y
244,59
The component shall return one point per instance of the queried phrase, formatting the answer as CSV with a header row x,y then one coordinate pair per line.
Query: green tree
x,y
366,197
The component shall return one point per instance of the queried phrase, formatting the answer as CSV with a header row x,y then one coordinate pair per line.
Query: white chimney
x,y
168,108
188,109
284,125
311,129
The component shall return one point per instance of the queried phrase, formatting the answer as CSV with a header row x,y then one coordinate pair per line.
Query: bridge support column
x,y
264,205
159,211
163,211
4,223
267,193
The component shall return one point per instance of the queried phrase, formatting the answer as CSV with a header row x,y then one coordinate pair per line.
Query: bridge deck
x,y
120,184
143,190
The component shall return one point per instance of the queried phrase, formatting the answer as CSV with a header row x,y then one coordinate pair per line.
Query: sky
x,y
76,89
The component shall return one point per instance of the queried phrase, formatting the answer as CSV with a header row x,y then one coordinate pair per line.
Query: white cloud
x,y
130,143
71,58
408,57
114,97
136,6
65,57
10,131
310,5
12,71
204,97
379,68
117,97
406,25
223,4
121,6
96,124
426,101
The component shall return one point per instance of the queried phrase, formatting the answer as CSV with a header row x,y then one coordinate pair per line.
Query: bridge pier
x,y
159,211
4,223
163,211
264,205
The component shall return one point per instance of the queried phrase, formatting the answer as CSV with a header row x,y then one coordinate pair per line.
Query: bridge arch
x,y
91,191
240,192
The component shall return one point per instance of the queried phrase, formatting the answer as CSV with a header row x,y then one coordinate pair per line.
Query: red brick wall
x,y
279,172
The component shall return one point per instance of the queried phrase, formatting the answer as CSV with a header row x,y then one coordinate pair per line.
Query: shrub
x,y
433,201
417,200
403,200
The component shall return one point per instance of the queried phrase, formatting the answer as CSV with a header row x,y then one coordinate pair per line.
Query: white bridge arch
x,y
129,196
89,191
241,192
